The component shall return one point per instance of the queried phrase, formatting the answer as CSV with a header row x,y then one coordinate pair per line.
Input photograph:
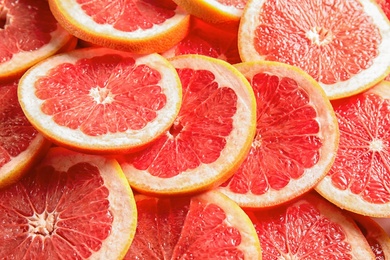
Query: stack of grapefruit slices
x,y
213,129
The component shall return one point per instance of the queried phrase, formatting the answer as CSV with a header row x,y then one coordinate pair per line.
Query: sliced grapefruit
x,y
21,145
135,26
100,100
296,137
309,228
376,236
206,226
344,46
207,39
359,179
71,205
29,33
210,137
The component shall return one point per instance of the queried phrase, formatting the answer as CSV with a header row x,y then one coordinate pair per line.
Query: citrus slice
x,y
206,226
208,140
135,26
219,12
360,176
29,33
100,100
296,137
309,228
71,205
208,40
376,236
21,146
343,46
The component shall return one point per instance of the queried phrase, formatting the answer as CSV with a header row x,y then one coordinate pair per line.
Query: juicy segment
x,y
53,217
128,16
199,133
103,94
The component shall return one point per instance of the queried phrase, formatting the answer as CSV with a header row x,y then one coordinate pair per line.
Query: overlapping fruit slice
x,y
210,136
359,179
309,228
296,137
71,205
29,33
206,226
135,26
21,145
343,45
100,100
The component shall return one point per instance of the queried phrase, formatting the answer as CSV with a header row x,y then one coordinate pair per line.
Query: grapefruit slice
x,y
208,140
71,205
343,46
309,228
29,33
135,26
359,179
100,100
206,39
296,137
206,226
376,236
21,145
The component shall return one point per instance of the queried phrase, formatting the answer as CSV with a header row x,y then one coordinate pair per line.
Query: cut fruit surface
x,y
296,137
101,100
21,145
309,228
29,33
206,226
210,136
359,179
376,237
71,204
135,26
343,46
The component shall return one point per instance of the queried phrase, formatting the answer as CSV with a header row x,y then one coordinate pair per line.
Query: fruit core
x,y
42,223
376,145
319,36
101,95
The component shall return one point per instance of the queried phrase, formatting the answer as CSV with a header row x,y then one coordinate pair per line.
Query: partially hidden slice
x,y
21,145
376,236
100,100
210,136
359,179
343,45
309,227
296,137
70,205
206,226
135,26
29,33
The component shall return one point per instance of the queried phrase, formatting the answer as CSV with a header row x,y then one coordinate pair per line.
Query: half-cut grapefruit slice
x,y
71,205
296,137
344,46
101,100
210,136
206,226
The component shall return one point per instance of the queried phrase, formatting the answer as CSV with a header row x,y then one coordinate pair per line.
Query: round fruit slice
x,y
135,26
376,237
21,145
296,137
207,226
100,100
71,205
309,228
220,12
359,179
29,33
210,137
344,46
206,39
